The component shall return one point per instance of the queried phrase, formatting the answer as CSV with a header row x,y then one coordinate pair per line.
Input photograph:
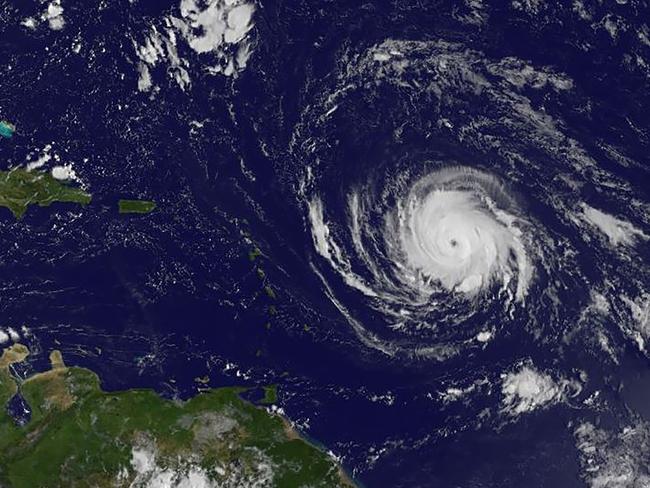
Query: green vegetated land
x,y
81,436
136,206
20,188
270,395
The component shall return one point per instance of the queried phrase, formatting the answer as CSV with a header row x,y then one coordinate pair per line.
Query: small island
x,y
7,129
20,188
270,395
136,206
79,436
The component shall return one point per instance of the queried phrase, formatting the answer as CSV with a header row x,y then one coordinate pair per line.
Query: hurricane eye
x,y
434,239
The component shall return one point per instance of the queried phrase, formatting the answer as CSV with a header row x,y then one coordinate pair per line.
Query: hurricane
x,y
415,233
455,234
441,242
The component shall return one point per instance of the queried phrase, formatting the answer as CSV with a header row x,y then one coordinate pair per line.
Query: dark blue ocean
x,y
225,278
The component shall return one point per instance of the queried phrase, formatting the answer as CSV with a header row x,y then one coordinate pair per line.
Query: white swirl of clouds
x,y
444,260
451,233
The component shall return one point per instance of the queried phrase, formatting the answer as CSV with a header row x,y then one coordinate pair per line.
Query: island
x,y
20,188
81,436
136,206
270,395
7,129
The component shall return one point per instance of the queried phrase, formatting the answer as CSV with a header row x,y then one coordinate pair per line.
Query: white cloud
x,y
151,475
215,29
54,15
484,336
614,460
64,172
13,334
29,22
639,328
527,390
44,157
617,231
148,469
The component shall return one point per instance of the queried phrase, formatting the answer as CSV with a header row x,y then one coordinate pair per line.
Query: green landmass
x,y
270,292
81,436
254,253
20,188
270,395
136,206
8,387
7,129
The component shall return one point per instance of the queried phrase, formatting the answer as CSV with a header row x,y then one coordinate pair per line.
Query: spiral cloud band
x,y
426,257
451,232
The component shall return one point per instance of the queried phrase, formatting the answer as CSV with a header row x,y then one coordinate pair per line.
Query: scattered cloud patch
x,y
617,231
220,22
37,159
454,394
52,15
64,172
599,302
149,474
41,158
522,75
484,336
13,334
463,392
160,47
639,327
593,325
149,469
217,30
9,334
614,460
529,389
29,22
